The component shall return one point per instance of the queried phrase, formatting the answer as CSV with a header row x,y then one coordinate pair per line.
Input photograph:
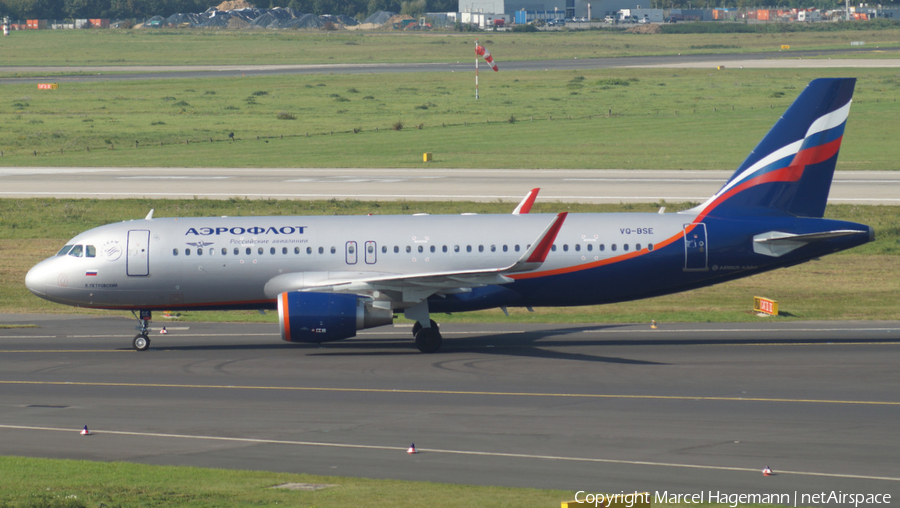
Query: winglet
x,y
527,202
537,253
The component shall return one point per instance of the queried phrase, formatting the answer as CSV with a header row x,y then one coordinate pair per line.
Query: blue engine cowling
x,y
323,317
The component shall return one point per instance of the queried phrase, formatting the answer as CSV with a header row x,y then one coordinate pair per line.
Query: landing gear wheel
x,y
418,326
141,342
428,340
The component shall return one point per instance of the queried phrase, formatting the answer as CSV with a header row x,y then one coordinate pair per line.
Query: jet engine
x,y
323,317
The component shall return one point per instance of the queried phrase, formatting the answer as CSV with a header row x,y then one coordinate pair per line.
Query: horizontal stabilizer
x,y
777,243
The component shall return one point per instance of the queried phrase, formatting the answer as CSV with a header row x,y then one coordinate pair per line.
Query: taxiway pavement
x,y
586,186
601,408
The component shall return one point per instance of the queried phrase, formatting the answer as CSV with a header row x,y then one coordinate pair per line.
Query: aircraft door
x,y
137,259
696,247
371,252
350,253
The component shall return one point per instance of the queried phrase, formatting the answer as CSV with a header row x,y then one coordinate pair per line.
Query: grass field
x,y
615,118
857,284
33,483
225,47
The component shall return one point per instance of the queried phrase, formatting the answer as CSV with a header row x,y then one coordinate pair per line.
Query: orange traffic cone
x,y
412,449
163,331
767,471
85,431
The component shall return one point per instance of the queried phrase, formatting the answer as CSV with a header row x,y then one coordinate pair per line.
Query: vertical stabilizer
x,y
791,169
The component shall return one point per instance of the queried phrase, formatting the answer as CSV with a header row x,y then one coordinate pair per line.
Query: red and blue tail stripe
x,y
791,169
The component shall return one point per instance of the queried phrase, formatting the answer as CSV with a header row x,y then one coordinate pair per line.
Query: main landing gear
x,y
428,340
141,341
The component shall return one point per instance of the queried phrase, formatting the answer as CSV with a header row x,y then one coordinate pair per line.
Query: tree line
x,y
143,9
359,9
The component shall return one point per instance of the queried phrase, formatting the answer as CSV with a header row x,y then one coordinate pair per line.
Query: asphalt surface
x,y
835,58
588,186
602,408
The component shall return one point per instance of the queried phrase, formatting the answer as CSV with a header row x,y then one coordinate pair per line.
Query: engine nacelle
x,y
323,317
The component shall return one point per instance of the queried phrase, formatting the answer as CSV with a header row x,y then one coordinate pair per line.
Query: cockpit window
x,y
65,250
90,251
77,251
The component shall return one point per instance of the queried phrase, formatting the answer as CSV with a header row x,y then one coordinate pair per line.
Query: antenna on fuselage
x,y
149,215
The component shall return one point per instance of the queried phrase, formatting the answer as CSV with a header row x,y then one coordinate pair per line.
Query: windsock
x,y
482,51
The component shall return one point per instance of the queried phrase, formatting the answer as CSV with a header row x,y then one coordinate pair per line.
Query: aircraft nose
x,y
35,280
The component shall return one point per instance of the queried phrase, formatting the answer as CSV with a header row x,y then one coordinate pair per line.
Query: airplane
x,y
330,276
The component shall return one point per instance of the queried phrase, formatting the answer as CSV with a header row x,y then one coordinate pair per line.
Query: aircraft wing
x,y
415,287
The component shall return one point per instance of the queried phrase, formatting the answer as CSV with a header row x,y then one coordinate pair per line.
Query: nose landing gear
x,y
141,341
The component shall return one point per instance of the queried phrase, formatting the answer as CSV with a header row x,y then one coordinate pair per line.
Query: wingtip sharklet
x,y
542,247
527,202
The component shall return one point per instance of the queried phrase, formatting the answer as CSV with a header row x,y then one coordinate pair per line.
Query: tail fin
x,y
791,169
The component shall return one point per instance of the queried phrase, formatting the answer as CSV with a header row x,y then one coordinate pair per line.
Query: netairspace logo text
x,y
834,497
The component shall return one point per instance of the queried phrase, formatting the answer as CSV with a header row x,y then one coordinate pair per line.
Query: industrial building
x,y
547,9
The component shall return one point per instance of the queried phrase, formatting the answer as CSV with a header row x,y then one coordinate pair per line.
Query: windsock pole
x,y
476,69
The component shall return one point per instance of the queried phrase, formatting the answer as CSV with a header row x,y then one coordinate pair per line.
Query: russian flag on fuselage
x,y
792,167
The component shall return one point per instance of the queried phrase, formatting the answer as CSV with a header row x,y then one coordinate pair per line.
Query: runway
x,y
599,408
586,186
818,59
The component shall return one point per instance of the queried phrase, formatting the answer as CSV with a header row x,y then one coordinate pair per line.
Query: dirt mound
x,y
649,28
397,19
233,5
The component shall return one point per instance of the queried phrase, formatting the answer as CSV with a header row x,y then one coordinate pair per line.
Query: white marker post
x,y
476,69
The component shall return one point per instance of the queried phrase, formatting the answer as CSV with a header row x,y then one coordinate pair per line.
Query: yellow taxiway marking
x,y
444,451
453,392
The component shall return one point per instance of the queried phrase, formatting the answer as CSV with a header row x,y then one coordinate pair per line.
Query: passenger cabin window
x,y
199,251
224,251
187,252
174,252
237,251
272,250
249,251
